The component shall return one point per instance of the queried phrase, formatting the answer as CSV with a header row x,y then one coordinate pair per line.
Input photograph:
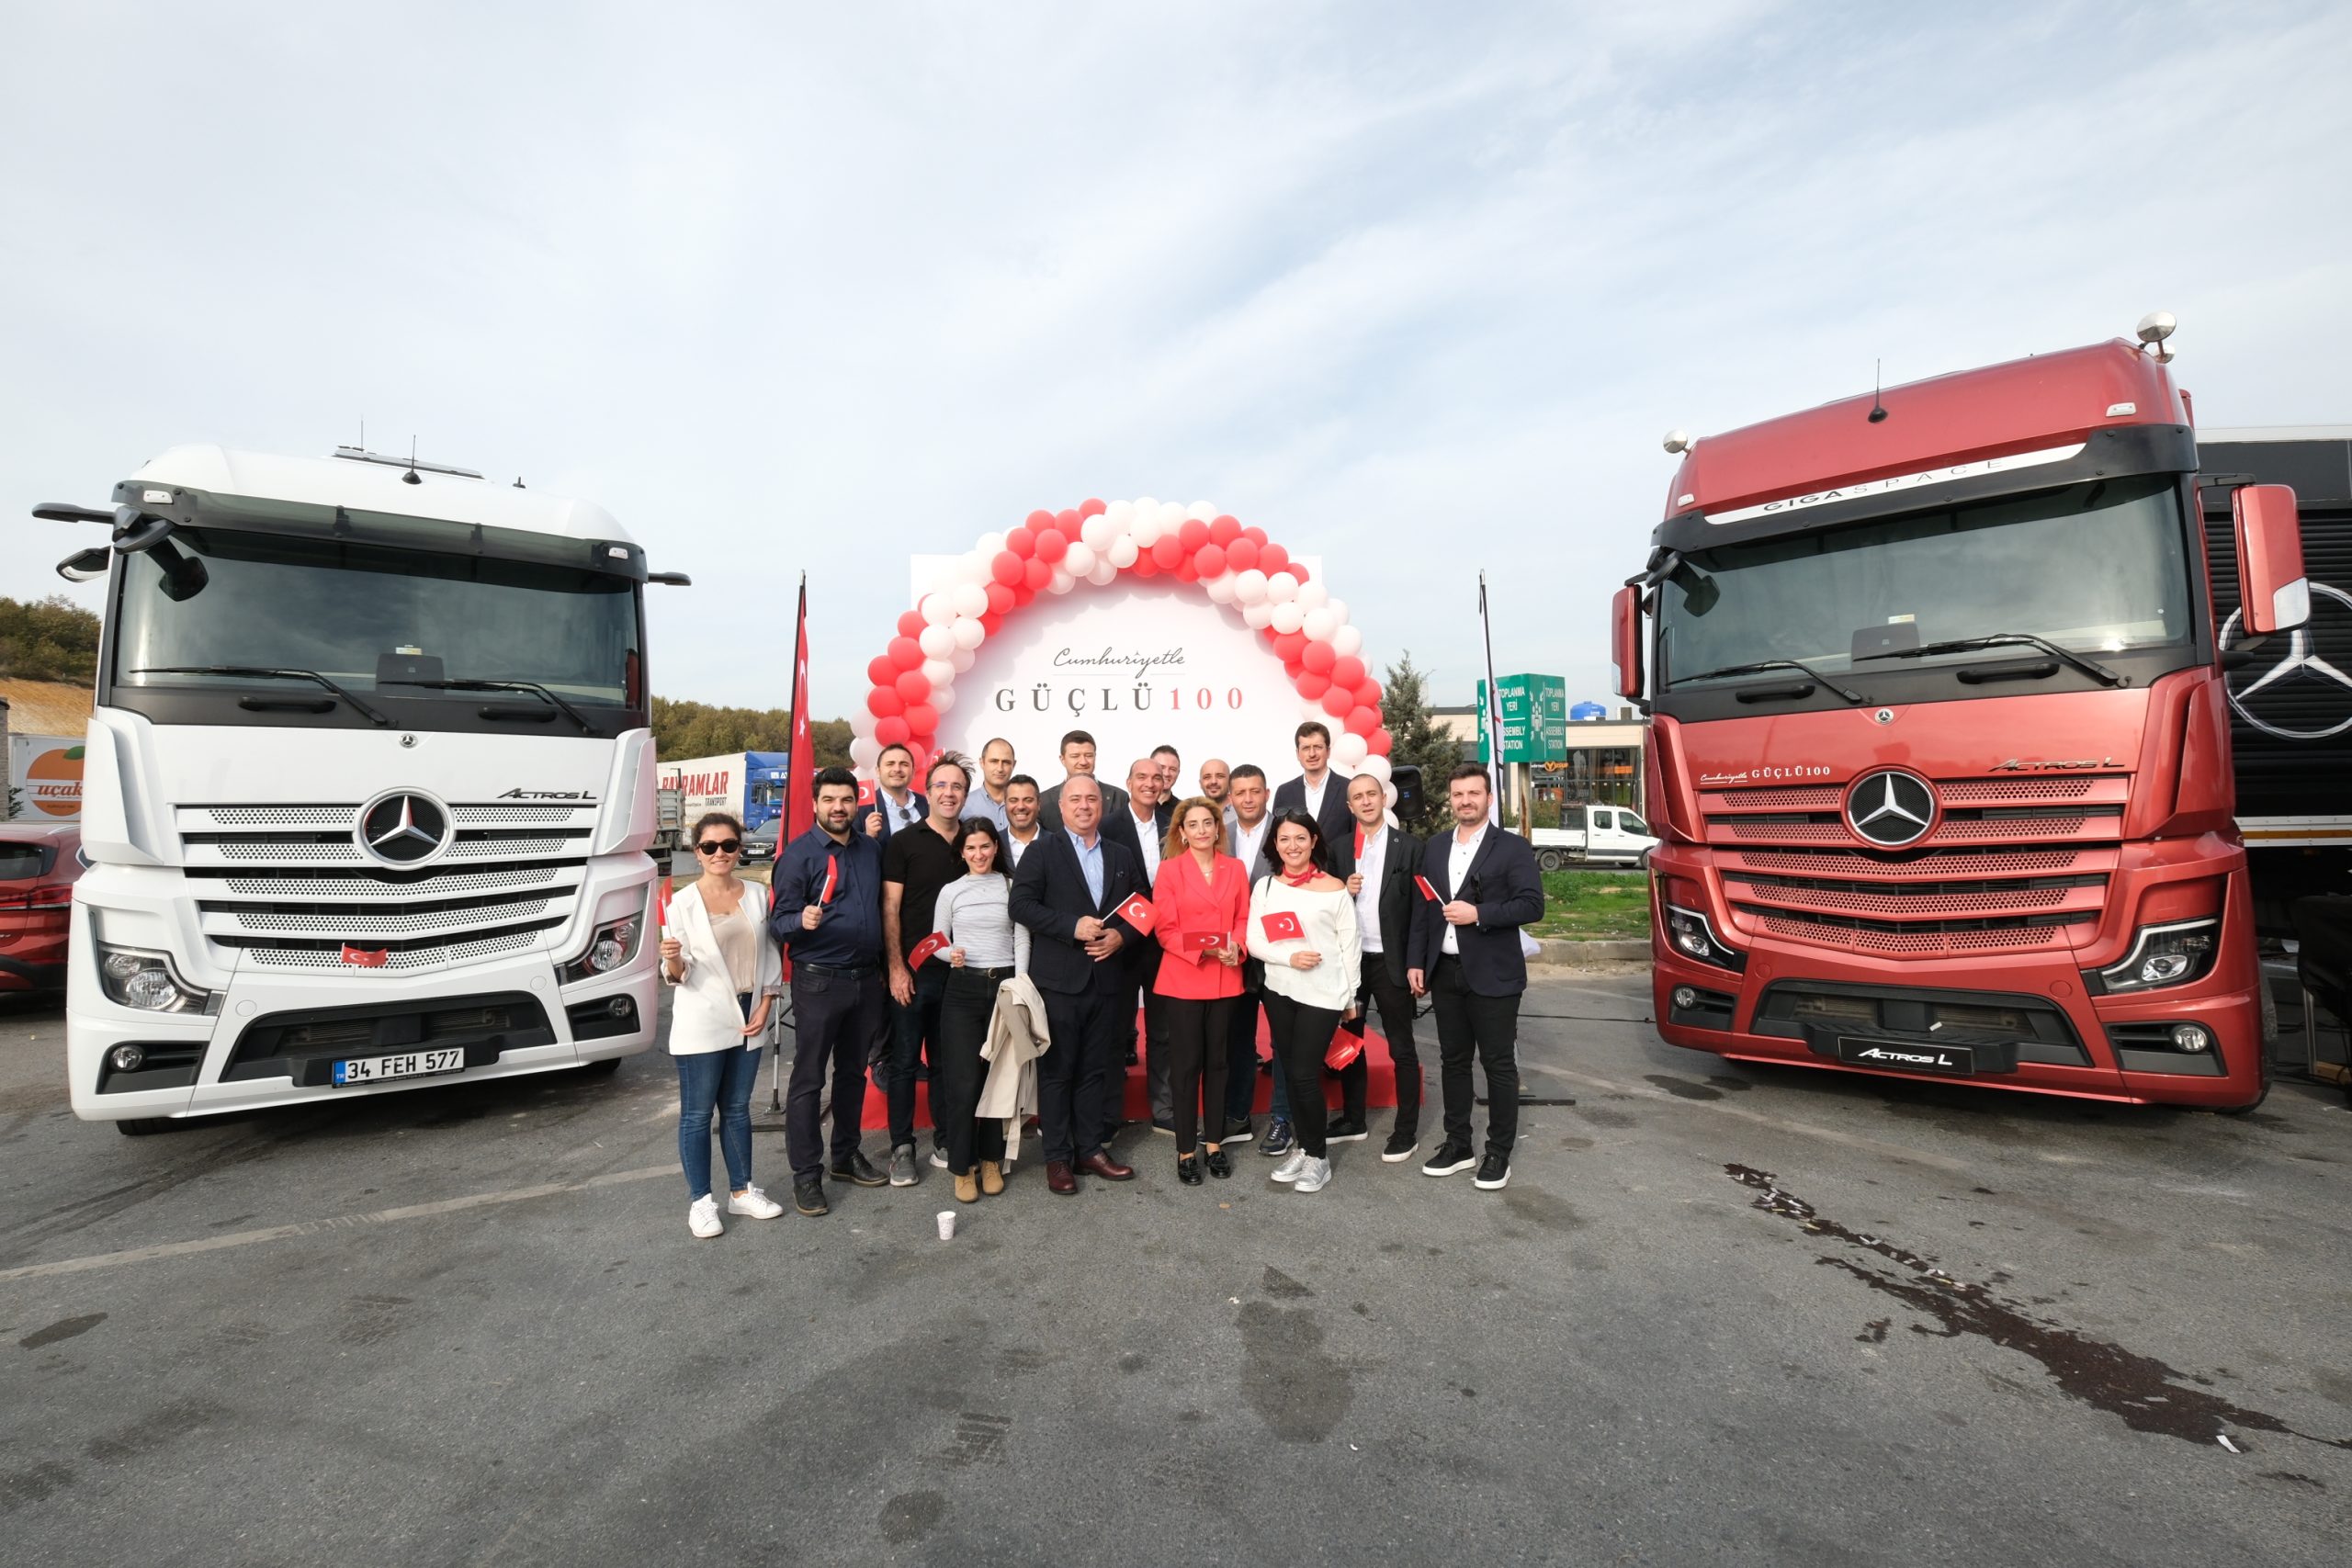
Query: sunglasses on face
x,y
721,846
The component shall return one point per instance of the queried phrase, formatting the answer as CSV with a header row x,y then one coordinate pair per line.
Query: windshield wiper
x,y
1763,664
2091,667
570,712
256,672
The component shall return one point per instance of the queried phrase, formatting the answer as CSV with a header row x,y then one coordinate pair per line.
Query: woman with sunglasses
x,y
715,949
1201,913
982,949
1303,925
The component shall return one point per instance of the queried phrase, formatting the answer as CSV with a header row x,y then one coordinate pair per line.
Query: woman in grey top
x,y
984,948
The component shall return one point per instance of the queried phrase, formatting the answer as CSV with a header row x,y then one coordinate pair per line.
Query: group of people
x,y
1003,936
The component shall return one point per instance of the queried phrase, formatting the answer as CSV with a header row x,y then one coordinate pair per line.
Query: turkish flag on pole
x,y
1137,912
799,758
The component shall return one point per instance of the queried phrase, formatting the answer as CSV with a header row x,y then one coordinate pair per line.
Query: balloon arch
x,y
914,680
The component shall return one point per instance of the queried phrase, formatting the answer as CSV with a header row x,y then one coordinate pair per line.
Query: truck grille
x,y
288,886
2013,865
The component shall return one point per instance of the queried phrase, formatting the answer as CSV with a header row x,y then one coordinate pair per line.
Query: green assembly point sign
x,y
1534,716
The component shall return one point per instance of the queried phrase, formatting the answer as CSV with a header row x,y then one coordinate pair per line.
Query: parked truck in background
x,y
367,789
747,785
1941,750
1593,835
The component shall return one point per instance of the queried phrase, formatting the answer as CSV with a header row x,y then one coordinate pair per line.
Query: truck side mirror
x,y
1626,637
84,566
2272,588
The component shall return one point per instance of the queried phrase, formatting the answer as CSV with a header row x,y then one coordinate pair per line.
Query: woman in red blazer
x,y
1200,913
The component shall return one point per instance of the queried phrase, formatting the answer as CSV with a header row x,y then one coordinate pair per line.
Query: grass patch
x,y
1590,905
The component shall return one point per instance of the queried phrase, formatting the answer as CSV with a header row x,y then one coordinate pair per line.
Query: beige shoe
x,y
991,1177
967,1189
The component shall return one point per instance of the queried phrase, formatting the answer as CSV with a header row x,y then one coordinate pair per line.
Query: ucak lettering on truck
x,y
1939,746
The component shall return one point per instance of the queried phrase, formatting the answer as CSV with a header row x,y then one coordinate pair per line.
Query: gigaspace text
x,y
1862,489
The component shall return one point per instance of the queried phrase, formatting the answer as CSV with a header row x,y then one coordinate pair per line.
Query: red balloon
x,y
1067,519
1145,566
1052,544
1346,670
1186,572
883,701
1368,693
1379,743
1167,553
1318,658
1223,531
1023,542
1240,555
923,719
1295,569
919,745
912,686
911,623
1006,567
1041,518
1208,560
1255,536
1091,507
1338,702
1269,633
905,654
991,621
1022,594
1036,573
1272,558
881,671
1361,721
1292,646
1311,685
891,731
1192,533
1000,597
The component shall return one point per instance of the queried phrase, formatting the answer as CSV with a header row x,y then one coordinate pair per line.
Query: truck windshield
x,y
379,620
2098,567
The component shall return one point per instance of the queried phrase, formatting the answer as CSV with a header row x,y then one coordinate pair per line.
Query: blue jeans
x,y
719,1080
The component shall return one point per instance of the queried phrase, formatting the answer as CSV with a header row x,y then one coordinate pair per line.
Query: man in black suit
x,y
1077,757
1141,827
896,803
1318,792
1468,956
1378,863
1066,892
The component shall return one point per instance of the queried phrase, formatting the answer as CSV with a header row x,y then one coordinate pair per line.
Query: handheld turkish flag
x,y
1358,840
1427,891
1282,926
1137,912
662,901
1204,942
1345,1047
799,758
833,879
365,957
925,949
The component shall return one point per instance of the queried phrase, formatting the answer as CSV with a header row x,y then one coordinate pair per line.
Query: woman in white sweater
x,y
1303,924
716,950
982,948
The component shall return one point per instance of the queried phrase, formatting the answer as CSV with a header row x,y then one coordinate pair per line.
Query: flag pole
x,y
794,785
1495,772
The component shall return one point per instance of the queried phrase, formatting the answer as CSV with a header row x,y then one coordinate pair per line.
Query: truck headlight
x,y
135,977
2166,955
1693,938
612,946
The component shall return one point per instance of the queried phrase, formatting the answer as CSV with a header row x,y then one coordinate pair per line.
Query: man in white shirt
x,y
1021,824
1378,863
987,798
896,803
1318,791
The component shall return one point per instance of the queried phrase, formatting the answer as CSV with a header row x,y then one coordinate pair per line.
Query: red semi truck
x,y
1940,751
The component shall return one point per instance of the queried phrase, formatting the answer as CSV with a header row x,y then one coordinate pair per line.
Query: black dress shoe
x,y
1187,1169
858,1171
1220,1164
809,1197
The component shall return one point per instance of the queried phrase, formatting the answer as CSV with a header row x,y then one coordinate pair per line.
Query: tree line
x,y
49,639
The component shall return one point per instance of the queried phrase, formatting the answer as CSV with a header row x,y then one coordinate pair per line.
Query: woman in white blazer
x,y
717,952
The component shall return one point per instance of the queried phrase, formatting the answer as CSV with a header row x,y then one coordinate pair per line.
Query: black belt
x,y
831,973
1004,974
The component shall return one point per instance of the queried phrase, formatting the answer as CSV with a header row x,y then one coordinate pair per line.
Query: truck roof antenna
x,y
412,477
1878,379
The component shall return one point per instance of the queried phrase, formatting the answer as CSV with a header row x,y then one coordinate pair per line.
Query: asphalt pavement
x,y
1721,1316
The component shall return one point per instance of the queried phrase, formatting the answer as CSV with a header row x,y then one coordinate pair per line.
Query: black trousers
x,y
1145,969
957,1071
1241,1059
1091,1029
1395,1005
914,1038
1487,1026
836,1018
1198,1034
1302,1034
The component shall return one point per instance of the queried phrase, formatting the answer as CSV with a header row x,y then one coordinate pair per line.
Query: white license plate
x,y
415,1064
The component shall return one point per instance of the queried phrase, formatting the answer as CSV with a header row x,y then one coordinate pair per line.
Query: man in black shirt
x,y
917,862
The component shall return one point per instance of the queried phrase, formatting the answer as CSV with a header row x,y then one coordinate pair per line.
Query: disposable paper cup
x,y
946,1224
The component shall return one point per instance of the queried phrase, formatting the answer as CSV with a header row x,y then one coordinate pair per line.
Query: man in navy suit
x,y
895,803
1318,792
1468,958
1378,863
1141,828
1066,891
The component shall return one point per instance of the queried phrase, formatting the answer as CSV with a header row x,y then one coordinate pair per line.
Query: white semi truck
x,y
367,789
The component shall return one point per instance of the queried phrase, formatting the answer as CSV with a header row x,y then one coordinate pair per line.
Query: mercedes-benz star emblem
x,y
1890,808
404,828
2309,696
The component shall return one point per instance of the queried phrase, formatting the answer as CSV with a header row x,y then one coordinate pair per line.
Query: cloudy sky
x,y
1416,288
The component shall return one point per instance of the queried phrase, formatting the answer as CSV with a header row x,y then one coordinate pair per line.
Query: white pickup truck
x,y
1594,835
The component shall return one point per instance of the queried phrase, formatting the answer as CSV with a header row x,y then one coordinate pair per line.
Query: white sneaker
x,y
1294,1167
755,1204
939,1159
703,1218
1315,1178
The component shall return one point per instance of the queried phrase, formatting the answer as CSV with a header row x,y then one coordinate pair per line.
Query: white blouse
x,y
1329,921
975,913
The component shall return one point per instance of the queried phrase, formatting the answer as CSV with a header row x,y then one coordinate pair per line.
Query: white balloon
x,y
1313,595
1079,561
1171,517
1201,511
971,600
1249,587
1281,587
936,641
1287,617
1123,551
989,547
1339,608
1120,516
937,609
865,750
943,698
862,721
1062,582
1348,751
1097,532
1312,708
1104,574
1347,641
1390,791
1316,623
1377,766
940,671
1257,614
967,631
1147,530
961,659
1220,588
1143,507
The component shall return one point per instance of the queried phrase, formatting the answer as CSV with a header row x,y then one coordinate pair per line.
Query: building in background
x,y
1581,756
41,727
